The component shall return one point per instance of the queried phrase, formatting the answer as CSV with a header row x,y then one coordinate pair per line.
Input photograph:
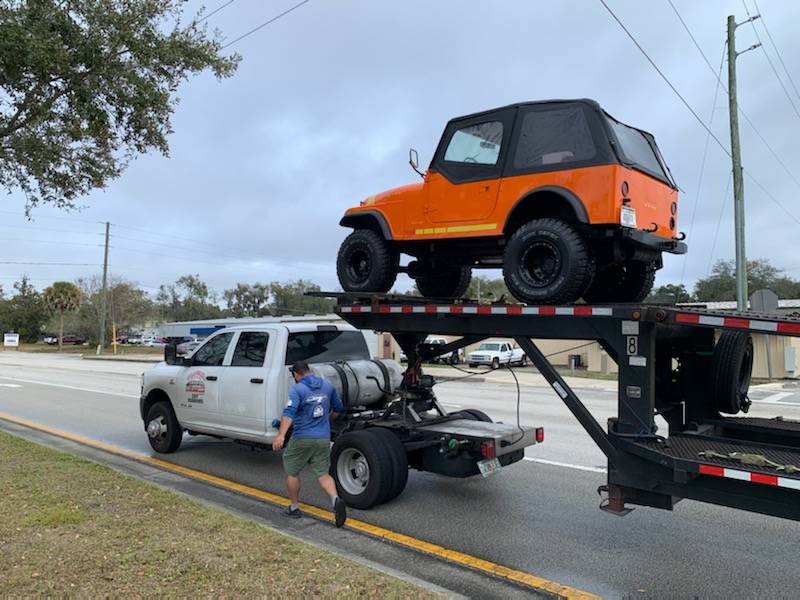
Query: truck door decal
x,y
195,387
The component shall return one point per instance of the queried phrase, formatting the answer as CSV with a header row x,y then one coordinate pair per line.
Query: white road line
x,y
554,463
10,385
774,398
70,387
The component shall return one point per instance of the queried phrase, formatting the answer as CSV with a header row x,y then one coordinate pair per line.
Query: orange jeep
x,y
567,200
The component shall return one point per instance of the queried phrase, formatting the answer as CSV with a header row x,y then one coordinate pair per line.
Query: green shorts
x,y
300,452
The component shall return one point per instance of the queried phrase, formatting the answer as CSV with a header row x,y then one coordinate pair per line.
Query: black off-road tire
x,y
399,458
731,371
170,440
475,415
445,282
615,283
547,261
381,470
366,262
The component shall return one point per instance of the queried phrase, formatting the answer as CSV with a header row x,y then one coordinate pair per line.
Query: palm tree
x,y
59,298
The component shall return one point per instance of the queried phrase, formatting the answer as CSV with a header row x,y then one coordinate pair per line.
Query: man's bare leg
x,y
293,485
326,483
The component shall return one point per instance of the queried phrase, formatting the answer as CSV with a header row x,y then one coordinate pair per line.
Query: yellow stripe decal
x,y
456,229
453,556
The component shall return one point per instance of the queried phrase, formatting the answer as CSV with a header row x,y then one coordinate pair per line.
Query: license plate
x,y
489,466
628,217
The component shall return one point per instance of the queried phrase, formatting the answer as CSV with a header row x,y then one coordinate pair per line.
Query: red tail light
x,y
488,450
539,435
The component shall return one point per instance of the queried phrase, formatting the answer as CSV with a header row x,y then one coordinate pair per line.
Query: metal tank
x,y
362,382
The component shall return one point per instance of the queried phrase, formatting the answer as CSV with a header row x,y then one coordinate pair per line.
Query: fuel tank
x,y
362,382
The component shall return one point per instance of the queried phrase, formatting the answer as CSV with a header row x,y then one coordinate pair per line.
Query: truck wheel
x,y
446,282
476,415
547,261
399,458
617,283
362,468
731,370
495,363
163,430
366,263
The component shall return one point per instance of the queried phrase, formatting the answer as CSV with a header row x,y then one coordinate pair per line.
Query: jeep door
x,y
199,383
245,384
464,178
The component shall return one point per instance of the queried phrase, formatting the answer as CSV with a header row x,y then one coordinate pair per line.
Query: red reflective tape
x,y
430,308
355,309
514,310
712,470
457,310
547,310
583,310
686,318
761,478
484,310
788,327
740,323
384,308
407,309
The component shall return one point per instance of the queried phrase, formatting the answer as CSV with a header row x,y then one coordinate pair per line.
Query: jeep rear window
x,y
326,346
638,148
553,136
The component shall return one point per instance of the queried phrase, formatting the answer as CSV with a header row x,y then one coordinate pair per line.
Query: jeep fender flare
x,y
368,219
569,199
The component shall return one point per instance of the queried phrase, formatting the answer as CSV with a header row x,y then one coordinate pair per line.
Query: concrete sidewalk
x,y
140,358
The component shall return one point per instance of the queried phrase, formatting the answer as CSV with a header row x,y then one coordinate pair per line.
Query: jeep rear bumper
x,y
645,240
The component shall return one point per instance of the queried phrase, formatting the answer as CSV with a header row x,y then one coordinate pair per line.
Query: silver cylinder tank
x,y
362,382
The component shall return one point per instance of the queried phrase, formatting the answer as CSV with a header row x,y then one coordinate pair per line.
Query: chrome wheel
x,y
157,428
352,470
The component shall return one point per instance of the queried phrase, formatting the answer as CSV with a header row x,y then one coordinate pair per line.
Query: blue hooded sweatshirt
x,y
309,405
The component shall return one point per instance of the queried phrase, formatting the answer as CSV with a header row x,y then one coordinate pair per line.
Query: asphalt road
x,y
539,515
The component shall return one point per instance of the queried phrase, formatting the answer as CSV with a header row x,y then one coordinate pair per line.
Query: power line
x,y
665,78
73,232
49,264
32,218
719,221
59,242
775,47
272,20
213,12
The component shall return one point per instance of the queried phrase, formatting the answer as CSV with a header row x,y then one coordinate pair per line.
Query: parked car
x,y
454,358
50,339
496,353
135,340
72,340
187,348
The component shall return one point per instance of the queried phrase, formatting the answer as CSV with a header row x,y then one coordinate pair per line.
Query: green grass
x,y
71,527
85,349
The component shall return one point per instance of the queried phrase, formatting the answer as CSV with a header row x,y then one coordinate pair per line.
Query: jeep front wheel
x,y
366,263
547,261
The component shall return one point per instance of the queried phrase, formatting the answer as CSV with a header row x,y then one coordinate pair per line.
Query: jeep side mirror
x,y
171,354
413,160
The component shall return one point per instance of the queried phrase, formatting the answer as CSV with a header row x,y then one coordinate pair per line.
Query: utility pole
x,y
736,157
104,296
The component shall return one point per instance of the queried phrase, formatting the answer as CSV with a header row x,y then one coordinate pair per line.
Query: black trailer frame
x,y
664,355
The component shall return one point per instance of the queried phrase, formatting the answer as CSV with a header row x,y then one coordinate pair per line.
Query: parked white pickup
x,y
496,353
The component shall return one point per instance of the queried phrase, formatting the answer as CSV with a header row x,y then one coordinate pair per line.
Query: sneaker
x,y
292,514
340,510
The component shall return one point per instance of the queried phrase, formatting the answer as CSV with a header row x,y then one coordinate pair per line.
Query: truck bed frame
x,y
664,355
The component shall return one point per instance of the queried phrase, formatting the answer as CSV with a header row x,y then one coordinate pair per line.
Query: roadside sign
x,y
11,340
764,301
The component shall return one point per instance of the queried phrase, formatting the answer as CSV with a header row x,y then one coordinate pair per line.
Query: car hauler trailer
x,y
692,367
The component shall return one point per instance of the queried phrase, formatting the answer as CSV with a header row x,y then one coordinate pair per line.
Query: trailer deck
x,y
667,366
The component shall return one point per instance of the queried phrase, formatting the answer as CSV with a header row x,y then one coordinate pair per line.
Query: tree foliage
x,y
25,312
247,300
61,297
188,299
670,293
761,274
290,299
86,85
488,290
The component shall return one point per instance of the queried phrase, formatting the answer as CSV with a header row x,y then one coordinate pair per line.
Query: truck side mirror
x,y
413,160
171,354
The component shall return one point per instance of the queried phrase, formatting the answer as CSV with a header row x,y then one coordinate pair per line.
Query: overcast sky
x,y
328,100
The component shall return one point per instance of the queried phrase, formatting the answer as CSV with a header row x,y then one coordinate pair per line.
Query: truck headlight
x,y
627,217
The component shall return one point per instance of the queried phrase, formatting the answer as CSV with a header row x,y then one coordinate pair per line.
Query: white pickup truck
x,y
236,384
496,353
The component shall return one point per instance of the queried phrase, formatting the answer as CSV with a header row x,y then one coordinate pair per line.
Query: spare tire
x,y
444,282
731,371
617,283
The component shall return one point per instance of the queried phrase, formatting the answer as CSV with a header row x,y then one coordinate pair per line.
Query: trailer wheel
x,y
732,368
366,262
617,283
474,414
446,282
362,468
163,430
399,458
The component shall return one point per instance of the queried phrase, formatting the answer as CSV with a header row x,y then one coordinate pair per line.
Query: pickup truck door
x,y
505,354
245,384
198,385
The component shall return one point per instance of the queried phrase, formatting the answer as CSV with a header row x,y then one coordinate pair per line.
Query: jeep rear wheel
x,y
444,282
617,283
547,262
366,262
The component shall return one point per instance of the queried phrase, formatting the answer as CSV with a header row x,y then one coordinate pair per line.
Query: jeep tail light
x,y
488,450
539,435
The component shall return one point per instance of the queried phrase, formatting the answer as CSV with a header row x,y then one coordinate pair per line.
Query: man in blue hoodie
x,y
312,402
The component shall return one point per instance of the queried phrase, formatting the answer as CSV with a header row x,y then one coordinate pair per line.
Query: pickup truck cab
x,y
236,384
496,353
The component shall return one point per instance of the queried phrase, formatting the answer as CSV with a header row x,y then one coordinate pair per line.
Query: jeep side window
x,y
553,136
212,353
478,144
250,349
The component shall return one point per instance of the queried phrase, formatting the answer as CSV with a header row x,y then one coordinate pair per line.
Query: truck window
x,y
212,353
553,136
326,346
479,144
250,349
637,148
489,347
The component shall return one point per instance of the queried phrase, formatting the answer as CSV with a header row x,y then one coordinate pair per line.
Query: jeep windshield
x,y
638,148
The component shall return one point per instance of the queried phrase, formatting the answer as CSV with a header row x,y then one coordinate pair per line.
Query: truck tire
x,y
617,283
446,282
362,468
475,415
495,363
547,261
399,458
163,430
366,263
731,370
